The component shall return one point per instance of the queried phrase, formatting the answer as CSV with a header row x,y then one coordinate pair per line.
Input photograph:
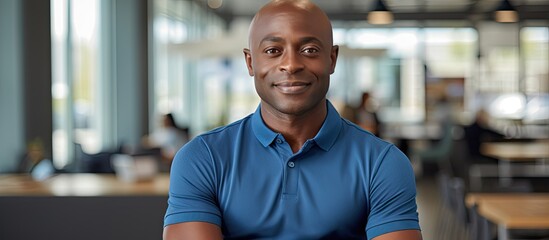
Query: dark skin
x,y
291,57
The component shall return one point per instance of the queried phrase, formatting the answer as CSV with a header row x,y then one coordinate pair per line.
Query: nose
x,y
291,62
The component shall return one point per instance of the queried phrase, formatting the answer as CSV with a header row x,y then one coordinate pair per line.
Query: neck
x,y
296,129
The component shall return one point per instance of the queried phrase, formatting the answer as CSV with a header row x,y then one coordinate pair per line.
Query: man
x,y
294,169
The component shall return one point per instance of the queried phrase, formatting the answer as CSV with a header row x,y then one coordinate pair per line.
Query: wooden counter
x,y
81,185
82,206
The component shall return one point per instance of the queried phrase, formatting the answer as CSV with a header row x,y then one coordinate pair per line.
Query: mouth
x,y
287,87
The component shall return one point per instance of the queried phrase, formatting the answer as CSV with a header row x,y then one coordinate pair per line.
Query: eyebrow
x,y
302,40
270,39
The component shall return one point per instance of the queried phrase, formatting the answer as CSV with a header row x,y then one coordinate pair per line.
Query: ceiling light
x,y
380,14
505,13
215,4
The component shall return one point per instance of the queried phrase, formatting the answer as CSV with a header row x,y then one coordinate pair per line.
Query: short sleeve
x,y
392,195
192,192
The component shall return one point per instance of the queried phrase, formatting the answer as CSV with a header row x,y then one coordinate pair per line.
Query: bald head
x,y
291,57
296,8
299,4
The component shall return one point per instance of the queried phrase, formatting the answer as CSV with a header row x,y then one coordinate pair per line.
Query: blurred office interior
x,y
85,78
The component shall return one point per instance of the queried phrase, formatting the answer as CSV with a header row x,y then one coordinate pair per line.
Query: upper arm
x,y
193,189
392,195
401,235
192,230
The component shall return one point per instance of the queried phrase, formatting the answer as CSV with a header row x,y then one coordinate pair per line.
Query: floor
x,y
428,204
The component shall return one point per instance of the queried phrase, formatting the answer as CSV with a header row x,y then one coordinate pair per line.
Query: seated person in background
x,y
479,132
293,169
168,137
366,116
363,115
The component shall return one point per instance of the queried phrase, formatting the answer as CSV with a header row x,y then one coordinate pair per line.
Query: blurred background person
x,y
169,137
478,132
365,115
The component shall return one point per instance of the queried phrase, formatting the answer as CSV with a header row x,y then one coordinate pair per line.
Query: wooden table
x,y
512,210
517,151
508,152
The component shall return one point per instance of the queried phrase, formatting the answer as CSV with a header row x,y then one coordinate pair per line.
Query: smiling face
x,y
291,57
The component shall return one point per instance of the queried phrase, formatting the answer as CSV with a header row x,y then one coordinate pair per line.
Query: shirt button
x,y
291,164
279,141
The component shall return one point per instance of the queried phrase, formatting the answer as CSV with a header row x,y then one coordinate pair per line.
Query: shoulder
x,y
202,145
365,149
226,131
365,146
356,135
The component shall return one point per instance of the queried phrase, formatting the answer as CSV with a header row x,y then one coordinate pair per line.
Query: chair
x,y
94,163
453,217
479,227
439,152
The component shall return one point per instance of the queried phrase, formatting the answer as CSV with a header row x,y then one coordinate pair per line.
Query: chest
x,y
275,192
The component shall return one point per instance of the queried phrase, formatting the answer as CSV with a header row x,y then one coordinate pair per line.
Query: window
x,y
398,65
535,52
187,84
79,91
450,61
499,58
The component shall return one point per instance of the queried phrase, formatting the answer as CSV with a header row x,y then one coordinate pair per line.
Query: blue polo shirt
x,y
345,183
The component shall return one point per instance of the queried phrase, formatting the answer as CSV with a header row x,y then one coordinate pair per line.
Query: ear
x,y
333,56
248,58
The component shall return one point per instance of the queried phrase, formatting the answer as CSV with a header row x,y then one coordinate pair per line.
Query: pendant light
x,y
380,14
506,13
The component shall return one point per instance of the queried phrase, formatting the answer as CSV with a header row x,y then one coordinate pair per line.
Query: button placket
x,y
292,178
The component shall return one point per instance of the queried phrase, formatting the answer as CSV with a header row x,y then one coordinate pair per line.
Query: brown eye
x,y
272,51
310,50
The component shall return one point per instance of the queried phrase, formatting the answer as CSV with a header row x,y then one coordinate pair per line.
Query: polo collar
x,y
263,133
329,132
325,138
